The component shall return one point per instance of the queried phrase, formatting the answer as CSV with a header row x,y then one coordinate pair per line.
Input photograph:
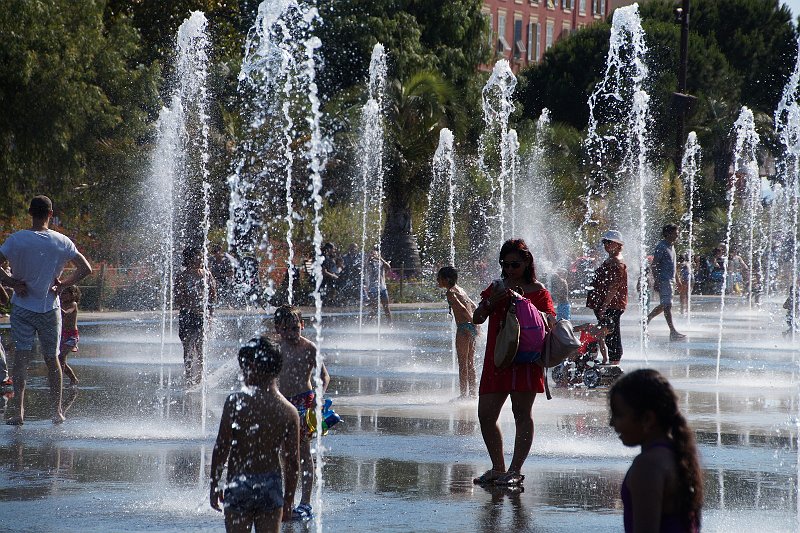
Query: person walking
x,y
37,257
665,273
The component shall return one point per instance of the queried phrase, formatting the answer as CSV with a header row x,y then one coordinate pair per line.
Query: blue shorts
x,y
373,293
665,291
564,311
253,493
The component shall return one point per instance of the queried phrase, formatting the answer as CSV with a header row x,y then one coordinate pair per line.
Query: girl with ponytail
x,y
663,489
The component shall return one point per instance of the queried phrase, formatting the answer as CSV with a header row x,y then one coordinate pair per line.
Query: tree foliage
x,y
418,35
74,101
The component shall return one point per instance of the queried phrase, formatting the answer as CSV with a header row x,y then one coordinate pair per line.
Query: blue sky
x,y
794,5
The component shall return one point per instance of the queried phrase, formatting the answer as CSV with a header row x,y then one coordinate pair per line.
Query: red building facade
x,y
523,29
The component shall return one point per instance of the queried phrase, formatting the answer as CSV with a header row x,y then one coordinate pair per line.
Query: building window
x,y
533,41
519,44
502,43
565,31
551,4
599,7
567,4
582,7
490,18
549,35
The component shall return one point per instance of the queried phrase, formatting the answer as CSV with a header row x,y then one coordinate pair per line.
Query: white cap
x,y
613,236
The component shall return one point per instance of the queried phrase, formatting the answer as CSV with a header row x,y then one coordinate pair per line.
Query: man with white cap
x,y
666,275
609,294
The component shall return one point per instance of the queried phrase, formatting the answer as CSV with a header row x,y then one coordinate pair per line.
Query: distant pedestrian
x,y
195,294
37,257
608,296
666,277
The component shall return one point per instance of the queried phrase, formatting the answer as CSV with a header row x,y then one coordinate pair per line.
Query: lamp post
x,y
682,103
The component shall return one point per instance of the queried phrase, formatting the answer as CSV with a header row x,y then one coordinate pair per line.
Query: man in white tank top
x,y
37,257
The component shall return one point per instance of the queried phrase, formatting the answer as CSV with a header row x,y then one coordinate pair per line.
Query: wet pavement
x,y
135,450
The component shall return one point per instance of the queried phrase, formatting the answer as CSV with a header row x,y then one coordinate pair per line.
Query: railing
x,y
139,287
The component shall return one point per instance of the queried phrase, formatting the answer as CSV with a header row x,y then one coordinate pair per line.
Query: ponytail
x,y
689,473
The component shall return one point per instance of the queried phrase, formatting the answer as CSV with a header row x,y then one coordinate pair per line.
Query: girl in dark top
x,y
663,489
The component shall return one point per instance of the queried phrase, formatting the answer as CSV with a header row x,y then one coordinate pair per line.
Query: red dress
x,y
526,377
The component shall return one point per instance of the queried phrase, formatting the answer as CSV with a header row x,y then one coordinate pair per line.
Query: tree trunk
x,y
398,243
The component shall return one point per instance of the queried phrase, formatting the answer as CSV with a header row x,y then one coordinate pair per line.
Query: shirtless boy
x,y
462,307
70,297
295,382
258,431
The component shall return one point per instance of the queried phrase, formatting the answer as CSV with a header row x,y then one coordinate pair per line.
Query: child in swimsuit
x,y
461,307
70,298
259,431
295,383
663,489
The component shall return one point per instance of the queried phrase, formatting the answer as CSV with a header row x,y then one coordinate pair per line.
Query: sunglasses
x,y
510,264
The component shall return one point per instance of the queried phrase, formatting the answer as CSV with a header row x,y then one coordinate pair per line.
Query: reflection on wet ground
x,y
132,454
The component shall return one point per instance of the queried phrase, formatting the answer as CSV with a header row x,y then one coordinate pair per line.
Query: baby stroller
x,y
586,366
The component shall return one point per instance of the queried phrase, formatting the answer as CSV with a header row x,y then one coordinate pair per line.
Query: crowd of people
x,y
264,438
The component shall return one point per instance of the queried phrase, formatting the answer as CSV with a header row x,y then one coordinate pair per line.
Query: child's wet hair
x,y
448,273
261,356
74,291
647,390
287,314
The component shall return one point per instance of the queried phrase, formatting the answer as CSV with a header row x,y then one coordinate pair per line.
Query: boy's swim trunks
x,y
70,338
253,493
303,401
468,327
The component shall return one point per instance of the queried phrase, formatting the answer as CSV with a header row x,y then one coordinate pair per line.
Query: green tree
x,y
757,37
74,103
418,35
417,109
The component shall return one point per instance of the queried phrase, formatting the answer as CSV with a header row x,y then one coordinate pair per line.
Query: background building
x,y
523,29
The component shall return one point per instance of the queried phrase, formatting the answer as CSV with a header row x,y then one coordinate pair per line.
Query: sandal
x,y
510,479
302,512
488,477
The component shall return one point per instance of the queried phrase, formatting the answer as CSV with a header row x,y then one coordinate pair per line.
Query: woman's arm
x,y
487,305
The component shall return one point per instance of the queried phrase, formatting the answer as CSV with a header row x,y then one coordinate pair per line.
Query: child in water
x,y
258,432
70,298
663,489
559,289
461,307
295,383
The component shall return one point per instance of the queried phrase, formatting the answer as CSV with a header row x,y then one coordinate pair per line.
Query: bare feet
x,y
58,418
15,421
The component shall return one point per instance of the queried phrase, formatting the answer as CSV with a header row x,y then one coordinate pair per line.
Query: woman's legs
x,y
489,406
522,405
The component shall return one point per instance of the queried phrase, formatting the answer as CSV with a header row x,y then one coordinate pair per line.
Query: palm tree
x,y
416,110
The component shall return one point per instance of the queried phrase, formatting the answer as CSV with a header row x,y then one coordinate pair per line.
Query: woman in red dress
x,y
520,381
